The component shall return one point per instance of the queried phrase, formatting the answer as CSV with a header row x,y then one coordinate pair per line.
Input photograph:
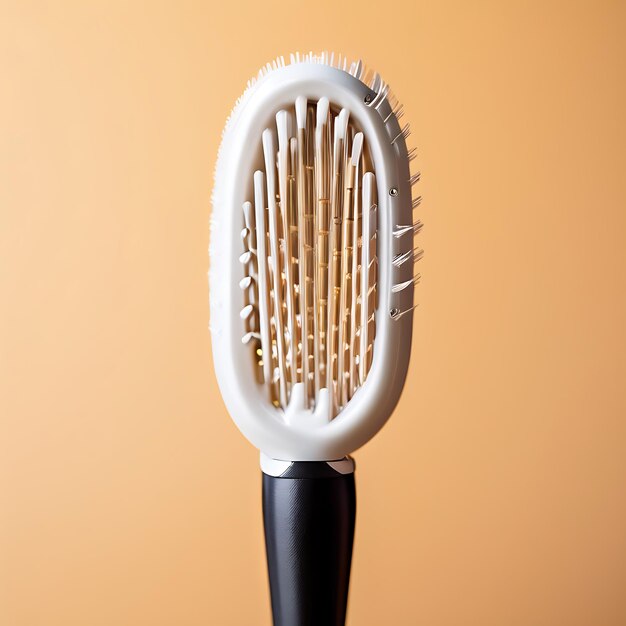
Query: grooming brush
x,y
311,280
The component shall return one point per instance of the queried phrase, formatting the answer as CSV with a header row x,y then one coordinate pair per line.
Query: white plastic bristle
x,y
247,212
323,106
415,178
246,257
404,133
403,285
344,116
353,346
336,136
322,160
368,230
269,152
283,119
357,147
262,275
301,109
282,128
293,159
337,269
250,336
246,312
380,96
400,230
248,215
402,258
341,125
245,282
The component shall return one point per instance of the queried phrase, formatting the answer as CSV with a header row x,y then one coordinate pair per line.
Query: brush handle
x,y
309,513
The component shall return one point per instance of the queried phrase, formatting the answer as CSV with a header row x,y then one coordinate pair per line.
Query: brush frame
x,y
301,438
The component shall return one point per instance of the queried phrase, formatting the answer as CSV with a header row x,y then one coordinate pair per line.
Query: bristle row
x,y
311,282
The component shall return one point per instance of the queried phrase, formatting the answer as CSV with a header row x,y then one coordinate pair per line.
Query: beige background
x,y
495,495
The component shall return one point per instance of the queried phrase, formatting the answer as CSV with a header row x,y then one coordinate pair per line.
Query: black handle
x,y
309,514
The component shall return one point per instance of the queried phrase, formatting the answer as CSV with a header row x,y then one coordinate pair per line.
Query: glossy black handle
x,y
309,515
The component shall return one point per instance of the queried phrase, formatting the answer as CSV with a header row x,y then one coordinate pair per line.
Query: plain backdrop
x,y
496,494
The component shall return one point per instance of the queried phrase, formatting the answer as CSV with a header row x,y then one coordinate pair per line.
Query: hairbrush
x,y
312,273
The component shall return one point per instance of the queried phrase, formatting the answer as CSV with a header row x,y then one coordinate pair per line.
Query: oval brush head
x,y
312,258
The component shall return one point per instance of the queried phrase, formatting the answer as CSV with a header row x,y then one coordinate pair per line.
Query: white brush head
x,y
312,274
